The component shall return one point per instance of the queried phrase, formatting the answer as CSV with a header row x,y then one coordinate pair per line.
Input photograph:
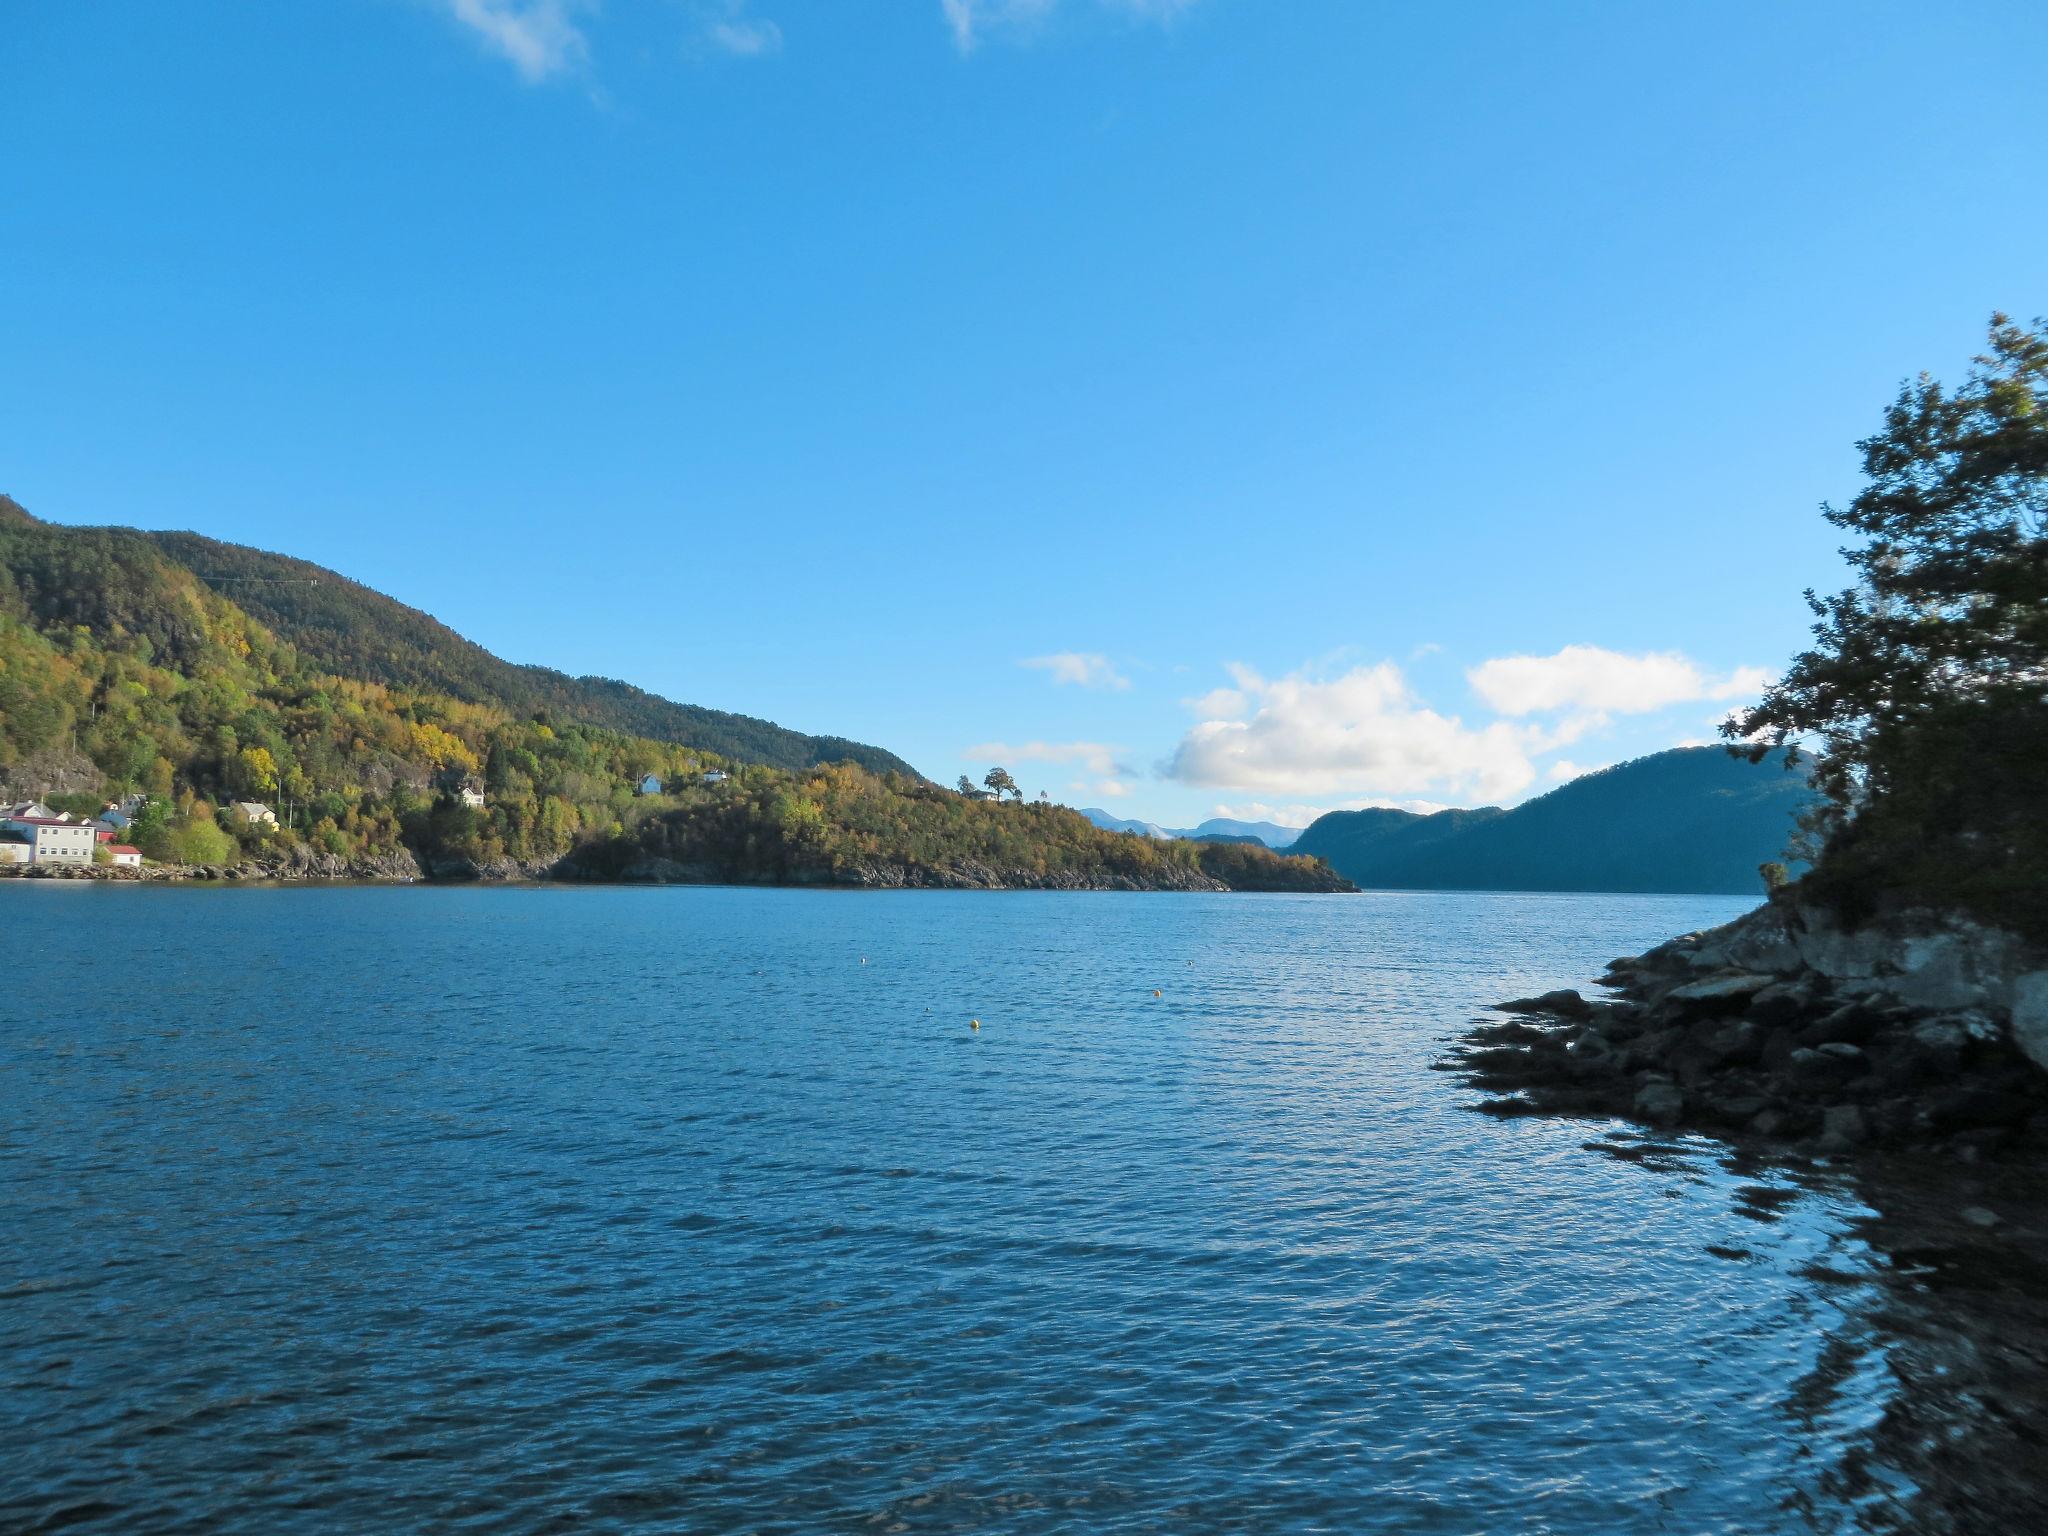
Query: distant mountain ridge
x,y
1690,820
1216,829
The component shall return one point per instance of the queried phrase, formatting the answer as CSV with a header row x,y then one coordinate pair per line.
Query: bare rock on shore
x,y
1923,1030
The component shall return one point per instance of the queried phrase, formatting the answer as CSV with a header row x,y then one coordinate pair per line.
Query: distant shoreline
x,y
245,877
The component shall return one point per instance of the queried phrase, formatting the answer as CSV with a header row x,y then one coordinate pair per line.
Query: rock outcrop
x,y
1920,1030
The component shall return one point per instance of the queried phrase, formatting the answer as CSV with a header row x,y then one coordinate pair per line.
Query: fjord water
x,y
704,1209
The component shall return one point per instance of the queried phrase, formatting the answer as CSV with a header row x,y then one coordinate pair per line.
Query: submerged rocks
x,y
1843,1126
1784,1025
1660,1102
1565,1003
2030,1017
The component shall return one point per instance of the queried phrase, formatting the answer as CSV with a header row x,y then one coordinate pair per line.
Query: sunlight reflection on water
x,y
344,1209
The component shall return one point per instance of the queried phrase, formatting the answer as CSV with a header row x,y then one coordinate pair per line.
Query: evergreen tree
x,y
1925,694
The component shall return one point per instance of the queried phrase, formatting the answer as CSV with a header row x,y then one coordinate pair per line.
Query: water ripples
x,y
528,1210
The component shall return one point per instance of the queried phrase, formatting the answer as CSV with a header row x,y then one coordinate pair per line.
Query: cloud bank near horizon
x,y
1366,737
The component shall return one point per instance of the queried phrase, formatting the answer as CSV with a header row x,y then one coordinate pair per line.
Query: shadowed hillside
x,y
1694,819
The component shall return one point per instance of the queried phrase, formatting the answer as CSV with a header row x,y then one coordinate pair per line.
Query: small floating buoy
x,y
863,959
974,1023
1155,992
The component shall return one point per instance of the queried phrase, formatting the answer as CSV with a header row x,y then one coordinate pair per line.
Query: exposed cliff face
x,y
1922,1029
52,771
303,863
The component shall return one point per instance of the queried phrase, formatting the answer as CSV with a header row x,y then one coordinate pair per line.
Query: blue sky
x,y
1198,405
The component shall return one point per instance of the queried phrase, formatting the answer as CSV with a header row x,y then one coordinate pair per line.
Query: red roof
x,y
124,848
46,821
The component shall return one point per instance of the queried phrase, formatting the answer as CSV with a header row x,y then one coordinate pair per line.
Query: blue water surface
x,y
536,1209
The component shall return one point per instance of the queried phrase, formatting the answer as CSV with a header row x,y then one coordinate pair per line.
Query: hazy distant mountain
x,y
1693,819
1218,829
1110,823
1269,833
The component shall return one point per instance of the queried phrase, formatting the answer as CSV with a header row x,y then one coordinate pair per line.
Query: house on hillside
x,y
126,857
254,812
52,840
112,815
470,792
27,810
650,785
712,777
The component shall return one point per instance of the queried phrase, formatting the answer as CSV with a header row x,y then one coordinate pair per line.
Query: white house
x,y
27,810
125,857
254,812
16,847
51,841
713,777
471,794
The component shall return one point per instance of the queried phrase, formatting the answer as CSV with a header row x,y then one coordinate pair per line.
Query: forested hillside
x,y
123,671
137,582
1691,819
843,825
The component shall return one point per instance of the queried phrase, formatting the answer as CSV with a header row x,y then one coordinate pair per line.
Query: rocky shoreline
x,y
404,869
1918,1031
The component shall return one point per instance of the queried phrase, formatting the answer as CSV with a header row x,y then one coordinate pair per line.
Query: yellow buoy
x,y
974,1023
1155,992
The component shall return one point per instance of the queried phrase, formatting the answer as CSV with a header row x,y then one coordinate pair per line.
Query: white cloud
x,y
729,27
1361,733
974,22
747,39
1593,681
1085,669
1095,756
539,37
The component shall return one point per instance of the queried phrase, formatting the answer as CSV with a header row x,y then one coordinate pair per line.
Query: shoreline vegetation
x,y
1177,867
1895,995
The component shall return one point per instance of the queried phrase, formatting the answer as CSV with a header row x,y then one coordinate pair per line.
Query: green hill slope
x,y
138,581
1693,819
